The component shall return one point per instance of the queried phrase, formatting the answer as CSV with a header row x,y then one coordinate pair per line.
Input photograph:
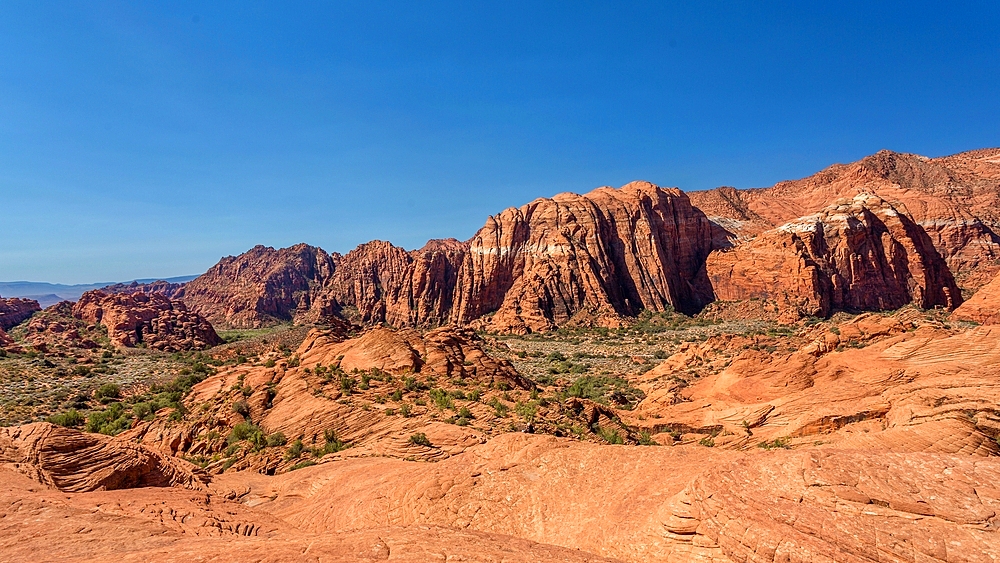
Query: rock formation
x,y
613,252
74,461
955,199
261,286
14,311
983,307
164,288
150,319
859,254
378,282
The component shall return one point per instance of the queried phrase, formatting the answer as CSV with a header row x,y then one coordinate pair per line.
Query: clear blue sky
x,y
143,140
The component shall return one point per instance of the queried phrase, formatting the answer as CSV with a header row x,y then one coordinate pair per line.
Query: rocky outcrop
x,y
378,282
983,307
73,461
613,252
261,286
860,254
954,199
164,288
149,319
14,311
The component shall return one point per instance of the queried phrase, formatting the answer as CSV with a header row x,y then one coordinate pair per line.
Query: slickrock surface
x,y
260,287
150,319
885,376
859,254
73,461
983,307
14,311
955,199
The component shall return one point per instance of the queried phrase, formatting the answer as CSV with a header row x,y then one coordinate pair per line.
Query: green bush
x,y
441,399
107,392
301,464
420,439
405,410
295,450
276,439
111,421
646,439
603,389
527,411
242,431
70,419
610,435
464,412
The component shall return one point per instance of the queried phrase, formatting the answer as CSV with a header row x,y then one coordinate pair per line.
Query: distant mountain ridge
x,y
51,293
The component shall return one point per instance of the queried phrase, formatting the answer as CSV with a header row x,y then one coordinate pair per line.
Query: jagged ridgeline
x,y
877,234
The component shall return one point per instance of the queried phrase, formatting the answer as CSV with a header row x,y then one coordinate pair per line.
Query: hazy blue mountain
x,y
51,293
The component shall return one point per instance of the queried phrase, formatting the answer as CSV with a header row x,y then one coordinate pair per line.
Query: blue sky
x,y
145,140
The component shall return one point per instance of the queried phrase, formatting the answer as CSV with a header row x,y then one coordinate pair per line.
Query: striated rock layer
x,y
983,307
14,311
261,286
150,319
613,252
164,288
954,199
859,254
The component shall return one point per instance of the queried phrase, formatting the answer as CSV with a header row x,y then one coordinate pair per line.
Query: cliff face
x,y
261,286
609,252
859,254
909,223
151,319
14,311
983,307
955,199
379,282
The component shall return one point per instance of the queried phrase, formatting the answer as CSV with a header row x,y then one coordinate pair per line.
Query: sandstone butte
x,y
883,452
887,230
152,320
14,311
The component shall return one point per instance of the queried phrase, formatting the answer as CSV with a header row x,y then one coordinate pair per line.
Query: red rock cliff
x,y
151,319
14,311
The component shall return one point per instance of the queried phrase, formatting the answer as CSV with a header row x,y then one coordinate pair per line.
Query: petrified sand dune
x,y
983,307
73,461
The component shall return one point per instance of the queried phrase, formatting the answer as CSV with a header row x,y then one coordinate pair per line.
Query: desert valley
x,y
801,373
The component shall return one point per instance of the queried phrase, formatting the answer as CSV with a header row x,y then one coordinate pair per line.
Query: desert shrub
x,y
499,409
107,392
610,435
475,395
243,431
242,408
604,389
405,410
441,399
295,450
112,420
70,419
276,439
301,464
464,412
142,411
397,395
646,439
420,439
526,411
347,384
778,443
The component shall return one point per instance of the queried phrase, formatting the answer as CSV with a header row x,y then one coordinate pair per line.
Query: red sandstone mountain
x,y
14,311
261,286
859,254
954,199
611,253
983,307
150,319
